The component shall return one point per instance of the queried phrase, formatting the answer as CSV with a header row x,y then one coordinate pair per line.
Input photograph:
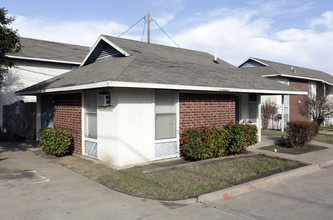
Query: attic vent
x,y
215,58
108,53
293,69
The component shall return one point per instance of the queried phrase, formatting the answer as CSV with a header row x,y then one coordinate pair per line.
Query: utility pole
x,y
148,30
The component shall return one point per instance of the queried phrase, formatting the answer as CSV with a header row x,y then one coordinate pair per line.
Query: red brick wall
x,y
294,103
67,115
205,110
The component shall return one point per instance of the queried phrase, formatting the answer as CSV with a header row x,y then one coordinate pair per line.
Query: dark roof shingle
x,y
285,69
156,64
41,49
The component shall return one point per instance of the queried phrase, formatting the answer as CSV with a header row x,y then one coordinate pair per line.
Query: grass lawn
x,y
325,138
325,127
319,137
272,133
301,150
195,179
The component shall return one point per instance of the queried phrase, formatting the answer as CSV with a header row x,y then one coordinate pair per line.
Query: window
x,y
90,103
165,114
253,107
252,97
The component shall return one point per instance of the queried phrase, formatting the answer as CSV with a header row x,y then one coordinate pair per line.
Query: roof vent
x,y
215,58
293,69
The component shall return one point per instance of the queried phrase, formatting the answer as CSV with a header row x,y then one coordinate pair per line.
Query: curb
x,y
260,183
326,164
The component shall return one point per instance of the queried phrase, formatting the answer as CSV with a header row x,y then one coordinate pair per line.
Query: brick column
x,y
67,115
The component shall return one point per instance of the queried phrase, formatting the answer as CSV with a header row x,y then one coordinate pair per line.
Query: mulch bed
x,y
288,150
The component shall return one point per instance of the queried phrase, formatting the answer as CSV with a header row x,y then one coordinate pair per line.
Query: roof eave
x,y
43,60
298,77
113,84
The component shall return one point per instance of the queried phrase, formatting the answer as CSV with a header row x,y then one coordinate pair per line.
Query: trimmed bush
x,y
250,132
55,142
301,133
205,143
240,136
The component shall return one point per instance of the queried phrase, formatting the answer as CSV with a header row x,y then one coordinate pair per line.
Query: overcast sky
x,y
297,32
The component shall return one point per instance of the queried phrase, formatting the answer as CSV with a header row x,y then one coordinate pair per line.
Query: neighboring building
x,y
37,61
129,100
312,81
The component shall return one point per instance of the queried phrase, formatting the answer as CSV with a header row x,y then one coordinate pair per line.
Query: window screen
x,y
90,104
165,114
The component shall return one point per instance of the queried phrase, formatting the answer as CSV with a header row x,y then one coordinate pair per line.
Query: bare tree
x,y
317,108
268,111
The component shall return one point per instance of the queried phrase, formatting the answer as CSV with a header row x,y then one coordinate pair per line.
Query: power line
x,y
144,28
166,33
132,26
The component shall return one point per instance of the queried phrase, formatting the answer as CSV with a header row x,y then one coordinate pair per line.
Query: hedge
x,y
205,143
55,142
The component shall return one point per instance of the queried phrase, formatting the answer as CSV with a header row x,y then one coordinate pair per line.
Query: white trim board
x,y
297,77
254,59
108,84
101,37
43,60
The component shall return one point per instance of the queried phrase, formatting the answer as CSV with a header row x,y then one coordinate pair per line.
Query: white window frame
x,y
85,121
174,113
176,139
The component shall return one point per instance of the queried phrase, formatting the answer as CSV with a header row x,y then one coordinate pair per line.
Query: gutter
x,y
112,84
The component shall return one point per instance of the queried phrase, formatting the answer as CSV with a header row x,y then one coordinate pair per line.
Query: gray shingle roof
x,y
41,49
172,54
285,69
156,64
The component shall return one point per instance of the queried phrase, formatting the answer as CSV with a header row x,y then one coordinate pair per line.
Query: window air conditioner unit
x,y
104,99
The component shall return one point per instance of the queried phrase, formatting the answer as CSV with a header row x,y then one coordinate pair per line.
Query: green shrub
x,y
250,134
240,136
55,142
301,132
205,143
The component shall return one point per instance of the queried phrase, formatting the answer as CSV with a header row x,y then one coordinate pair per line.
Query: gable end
x,y
108,52
102,51
251,63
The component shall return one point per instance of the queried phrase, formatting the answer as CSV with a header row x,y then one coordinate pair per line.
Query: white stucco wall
x,y
24,74
126,129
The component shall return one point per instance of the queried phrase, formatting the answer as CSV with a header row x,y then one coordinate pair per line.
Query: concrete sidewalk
x,y
315,157
35,187
328,132
44,189
316,160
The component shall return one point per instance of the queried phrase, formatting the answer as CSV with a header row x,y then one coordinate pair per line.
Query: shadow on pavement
x,y
17,146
